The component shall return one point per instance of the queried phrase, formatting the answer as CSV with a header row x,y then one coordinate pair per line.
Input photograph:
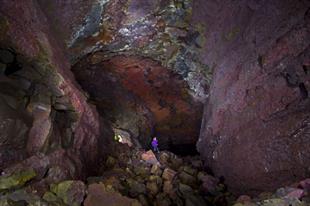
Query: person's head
x,y
154,138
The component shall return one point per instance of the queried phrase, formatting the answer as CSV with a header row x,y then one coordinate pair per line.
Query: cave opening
x,y
142,99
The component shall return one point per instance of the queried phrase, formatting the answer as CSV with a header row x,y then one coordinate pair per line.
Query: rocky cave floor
x,y
135,177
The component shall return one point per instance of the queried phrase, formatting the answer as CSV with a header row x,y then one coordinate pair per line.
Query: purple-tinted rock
x,y
255,129
305,184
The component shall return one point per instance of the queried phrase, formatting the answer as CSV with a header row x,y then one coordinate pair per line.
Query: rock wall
x,y
49,34
161,30
255,130
61,118
141,96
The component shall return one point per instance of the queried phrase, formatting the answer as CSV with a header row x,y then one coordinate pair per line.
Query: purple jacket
x,y
154,143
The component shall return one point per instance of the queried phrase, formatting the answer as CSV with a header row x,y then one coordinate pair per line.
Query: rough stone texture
x,y
26,29
169,174
149,157
17,179
146,98
13,129
71,20
255,129
159,29
97,194
41,127
71,192
145,30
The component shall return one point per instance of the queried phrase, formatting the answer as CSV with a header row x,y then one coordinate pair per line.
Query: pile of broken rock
x,y
134,177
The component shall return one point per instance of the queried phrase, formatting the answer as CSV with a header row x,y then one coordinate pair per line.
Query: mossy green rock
x,y
52,199
7,202
16,179
70,192
21,198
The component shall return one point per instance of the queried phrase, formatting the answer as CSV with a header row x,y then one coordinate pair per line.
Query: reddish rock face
x,y
255,129
99,194
139,95
24,29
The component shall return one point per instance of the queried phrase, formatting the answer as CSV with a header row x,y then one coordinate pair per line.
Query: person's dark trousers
x,y
155,149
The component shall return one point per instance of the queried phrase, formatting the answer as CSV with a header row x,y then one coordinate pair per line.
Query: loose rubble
x,y
133,177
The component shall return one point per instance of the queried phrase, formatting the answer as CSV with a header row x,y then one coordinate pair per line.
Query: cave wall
x,y
53,35
255,129
158,29
139,95
161,31
26,30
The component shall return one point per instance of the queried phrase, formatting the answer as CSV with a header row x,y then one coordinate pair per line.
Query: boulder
x,y
188,179
149,157
143,200
162,200
296,193
193,200
21,198
168,187
197,164
51,197
110,162
156,179
164,158
135,188
243,199
152,188
209,184
57,173
201,174
169,174
176,163
40,108
98,195
305,184
185,190
190,170
70,192
141,170
156,170
290,192
16,179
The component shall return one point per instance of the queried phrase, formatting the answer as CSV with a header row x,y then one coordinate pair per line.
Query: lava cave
x,y
86,85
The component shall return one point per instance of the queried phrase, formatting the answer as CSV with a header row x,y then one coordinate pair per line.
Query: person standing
x,y
155,145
